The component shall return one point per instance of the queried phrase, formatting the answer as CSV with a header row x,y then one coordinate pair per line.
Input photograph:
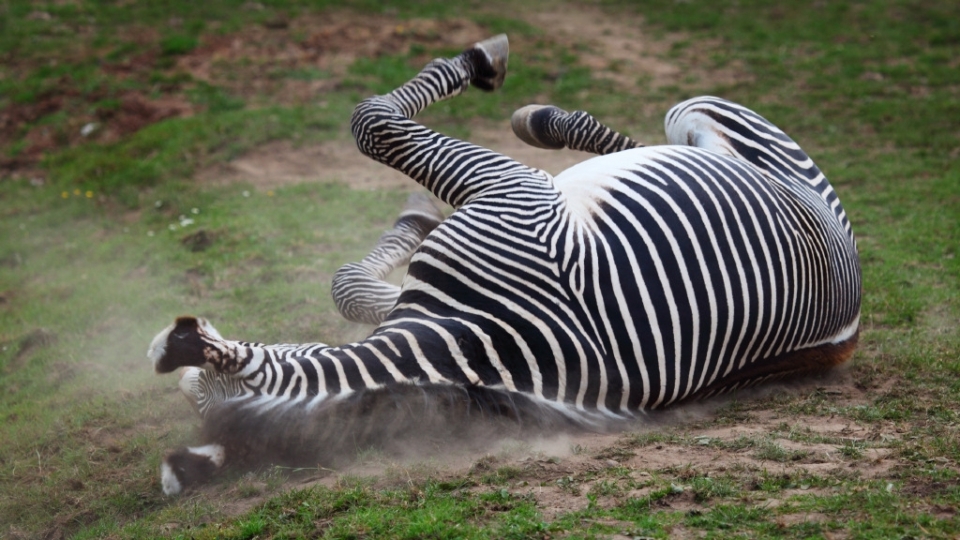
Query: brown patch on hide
x,y
795,364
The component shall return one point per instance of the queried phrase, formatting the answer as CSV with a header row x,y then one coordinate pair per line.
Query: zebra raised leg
x,y
455,171
551,128
359,289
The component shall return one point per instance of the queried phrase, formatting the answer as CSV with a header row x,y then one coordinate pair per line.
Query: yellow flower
x,y
89,194
76,192
65,194
270,194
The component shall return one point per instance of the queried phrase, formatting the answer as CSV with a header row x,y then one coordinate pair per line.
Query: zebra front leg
x,y
188,466
551,128
359,289
455,171
484,65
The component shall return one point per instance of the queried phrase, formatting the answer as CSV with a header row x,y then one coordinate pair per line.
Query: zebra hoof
x,y
188,466
531,124
491,66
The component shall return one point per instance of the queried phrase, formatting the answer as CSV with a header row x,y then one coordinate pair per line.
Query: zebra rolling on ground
x,y
638,279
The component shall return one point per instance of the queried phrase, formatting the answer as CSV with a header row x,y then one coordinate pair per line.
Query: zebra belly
x,y
671,269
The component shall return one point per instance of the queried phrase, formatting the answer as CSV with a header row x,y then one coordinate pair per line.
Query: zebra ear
x,y
178,345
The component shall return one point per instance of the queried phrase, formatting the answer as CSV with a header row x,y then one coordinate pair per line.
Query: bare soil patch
x,y
258,62
624,52
282,163
611,47
676,447
281,62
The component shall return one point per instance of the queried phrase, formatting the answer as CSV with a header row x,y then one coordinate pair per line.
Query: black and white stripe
x,y
635,280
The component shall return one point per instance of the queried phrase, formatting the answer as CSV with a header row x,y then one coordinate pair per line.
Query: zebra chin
x,y
404,419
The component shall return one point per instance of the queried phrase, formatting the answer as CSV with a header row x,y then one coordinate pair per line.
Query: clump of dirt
x,y
198,241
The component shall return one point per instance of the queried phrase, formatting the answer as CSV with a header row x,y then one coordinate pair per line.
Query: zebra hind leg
x,y
359,289
551,128
455,171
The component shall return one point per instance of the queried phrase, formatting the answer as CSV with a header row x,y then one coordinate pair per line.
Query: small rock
x,y
198,241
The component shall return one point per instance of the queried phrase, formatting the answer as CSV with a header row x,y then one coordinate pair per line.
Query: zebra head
x,y
191,341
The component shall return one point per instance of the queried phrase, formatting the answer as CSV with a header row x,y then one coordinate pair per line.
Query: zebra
x,y
641,278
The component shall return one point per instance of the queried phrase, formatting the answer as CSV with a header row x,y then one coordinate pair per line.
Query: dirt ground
x,y
559,472
681,444
610,47
556,472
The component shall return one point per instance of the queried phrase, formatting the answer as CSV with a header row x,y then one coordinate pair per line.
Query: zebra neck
x,y
317,369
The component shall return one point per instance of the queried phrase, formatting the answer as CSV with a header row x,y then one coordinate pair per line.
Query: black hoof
x,y
489,58
531,124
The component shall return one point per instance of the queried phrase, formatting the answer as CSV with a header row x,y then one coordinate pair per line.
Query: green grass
x,y
174,149
98,258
